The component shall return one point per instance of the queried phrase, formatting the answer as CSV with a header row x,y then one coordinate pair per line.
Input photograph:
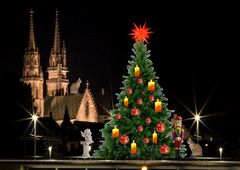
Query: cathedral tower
x,y
57,82
32,71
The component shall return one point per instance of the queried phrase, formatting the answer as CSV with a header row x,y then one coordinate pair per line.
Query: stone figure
x,y
195,148
75,86
87,134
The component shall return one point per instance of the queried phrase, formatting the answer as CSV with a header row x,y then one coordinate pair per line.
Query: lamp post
x,y
34,118
50,152
197,118
220,153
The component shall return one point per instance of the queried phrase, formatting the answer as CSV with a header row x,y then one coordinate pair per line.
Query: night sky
x,y
191,48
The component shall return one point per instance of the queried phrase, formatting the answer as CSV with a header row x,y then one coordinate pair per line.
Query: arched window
x,y
36,93
87,108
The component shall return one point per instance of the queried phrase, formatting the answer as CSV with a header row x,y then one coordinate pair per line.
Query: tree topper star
x,y
140,34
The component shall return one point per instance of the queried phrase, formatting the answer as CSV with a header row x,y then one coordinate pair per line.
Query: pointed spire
x,y
66,115
31,41
56,46
87,84
66,123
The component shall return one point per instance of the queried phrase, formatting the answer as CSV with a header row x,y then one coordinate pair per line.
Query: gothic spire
x,y
31,41
56,46
87,84
57,82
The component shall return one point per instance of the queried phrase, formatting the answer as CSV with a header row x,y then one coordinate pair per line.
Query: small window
x,y
87,108
36,93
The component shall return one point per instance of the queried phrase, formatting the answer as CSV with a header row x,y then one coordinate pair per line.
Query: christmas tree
x,y
139,127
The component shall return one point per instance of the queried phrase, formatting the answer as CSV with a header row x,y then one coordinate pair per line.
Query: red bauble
x,y
135,111
151,98
139,80
146,140
118,116
139,101
124,139
138,111
164,149
148,120
161,127
129,91
140,128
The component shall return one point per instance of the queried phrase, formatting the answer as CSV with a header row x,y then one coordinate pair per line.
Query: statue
x,y
75,86
195,148
178,134
87,134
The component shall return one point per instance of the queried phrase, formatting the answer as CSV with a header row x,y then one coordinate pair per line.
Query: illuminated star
x,y
140,34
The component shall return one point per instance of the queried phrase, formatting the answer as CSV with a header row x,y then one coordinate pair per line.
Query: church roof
x,y
57,105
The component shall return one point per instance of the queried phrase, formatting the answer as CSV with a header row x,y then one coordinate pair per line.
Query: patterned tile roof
x,y
57,105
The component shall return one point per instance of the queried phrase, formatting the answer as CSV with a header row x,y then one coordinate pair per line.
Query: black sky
x,y
191,48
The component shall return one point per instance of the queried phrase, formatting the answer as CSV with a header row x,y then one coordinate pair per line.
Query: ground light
x,y
206,146
50,152
220,153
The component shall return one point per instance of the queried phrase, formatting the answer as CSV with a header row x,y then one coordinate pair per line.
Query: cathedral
x,y
58,97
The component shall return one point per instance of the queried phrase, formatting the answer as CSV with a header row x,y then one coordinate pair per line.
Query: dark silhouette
x,y
16,101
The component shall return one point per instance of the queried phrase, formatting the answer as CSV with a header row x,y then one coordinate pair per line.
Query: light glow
x,y
197,117
50,148
220,152
34,117
197,114
50,151
141,33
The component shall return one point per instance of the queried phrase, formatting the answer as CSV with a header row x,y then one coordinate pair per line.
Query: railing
x,y
193,164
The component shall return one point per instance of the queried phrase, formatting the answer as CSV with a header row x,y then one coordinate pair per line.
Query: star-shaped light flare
x,y
141,33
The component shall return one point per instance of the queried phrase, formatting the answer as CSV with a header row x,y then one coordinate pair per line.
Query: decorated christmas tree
x,y
139,127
